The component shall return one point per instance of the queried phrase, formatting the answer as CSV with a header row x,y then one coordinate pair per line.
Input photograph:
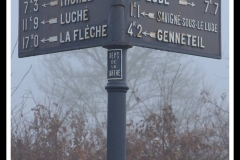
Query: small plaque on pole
x,y
114,64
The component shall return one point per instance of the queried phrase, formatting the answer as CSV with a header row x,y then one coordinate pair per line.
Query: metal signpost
x,y
185,26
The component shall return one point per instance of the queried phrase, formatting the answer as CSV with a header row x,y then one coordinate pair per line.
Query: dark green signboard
x,y
48,26
184,26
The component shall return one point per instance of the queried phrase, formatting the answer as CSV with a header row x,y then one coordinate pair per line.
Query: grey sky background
x,y
216,71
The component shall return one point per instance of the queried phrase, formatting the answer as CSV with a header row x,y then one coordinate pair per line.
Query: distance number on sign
x,y
139,27
30,23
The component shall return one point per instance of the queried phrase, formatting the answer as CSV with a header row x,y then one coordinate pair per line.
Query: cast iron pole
x,y
116,116
116,86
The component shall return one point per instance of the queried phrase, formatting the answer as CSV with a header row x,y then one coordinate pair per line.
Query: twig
x,y
14,47
21,80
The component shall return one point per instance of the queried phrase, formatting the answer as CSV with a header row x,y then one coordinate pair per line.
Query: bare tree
x,y
157,77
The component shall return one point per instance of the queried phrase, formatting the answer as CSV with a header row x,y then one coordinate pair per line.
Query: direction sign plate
x,y
48,26
185,26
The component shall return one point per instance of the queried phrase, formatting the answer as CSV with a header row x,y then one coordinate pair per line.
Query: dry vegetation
x,y
55,132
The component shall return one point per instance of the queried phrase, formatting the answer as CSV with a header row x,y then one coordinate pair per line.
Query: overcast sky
x,y
217,71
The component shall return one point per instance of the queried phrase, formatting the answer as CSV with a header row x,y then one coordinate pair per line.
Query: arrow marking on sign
x,y
50,21
191,4
151,34
50,39
184,2
52,3
150,15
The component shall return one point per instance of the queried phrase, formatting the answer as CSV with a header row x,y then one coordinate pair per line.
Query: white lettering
x,y
67,37
165,33
80,35
159,1
180,38
68,18
92,33
104,34
171,37
177,40
159,35
75,34
194,41
201,43
72,2
61,40
61,20
205,24
75,16
85,15
98,31
84,33
201,25
189,36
